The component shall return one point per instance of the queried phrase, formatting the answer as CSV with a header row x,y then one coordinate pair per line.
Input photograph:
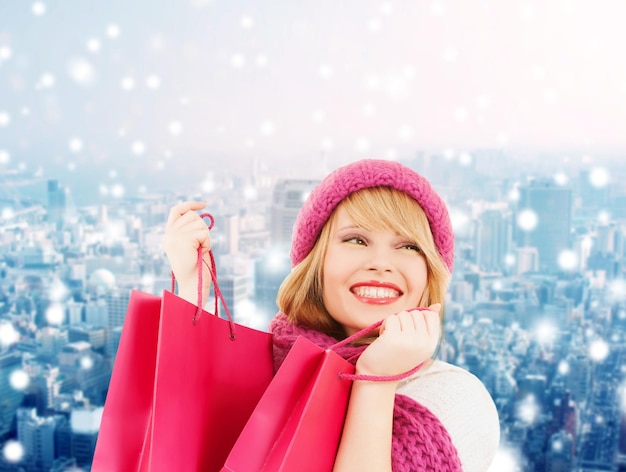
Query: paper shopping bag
x,y
183,386
297,424
209,377
128,405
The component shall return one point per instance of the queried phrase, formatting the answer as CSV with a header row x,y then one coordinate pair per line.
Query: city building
x,y
550,205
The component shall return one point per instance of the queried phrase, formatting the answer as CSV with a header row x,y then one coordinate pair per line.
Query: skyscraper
x,y
551,206
11,397
289,195
493,237
36,434
270,269
56,203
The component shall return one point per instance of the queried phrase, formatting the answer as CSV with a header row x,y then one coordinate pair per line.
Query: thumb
x,y
436,307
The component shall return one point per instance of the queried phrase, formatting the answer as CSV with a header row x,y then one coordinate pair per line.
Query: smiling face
x,y
369,274
331,290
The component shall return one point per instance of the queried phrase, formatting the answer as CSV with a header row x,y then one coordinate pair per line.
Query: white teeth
x,y
376,292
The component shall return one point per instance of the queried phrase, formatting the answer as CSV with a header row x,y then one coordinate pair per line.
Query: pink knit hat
x,y
365,174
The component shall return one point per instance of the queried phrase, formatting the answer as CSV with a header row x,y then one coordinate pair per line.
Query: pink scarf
x,y
420,443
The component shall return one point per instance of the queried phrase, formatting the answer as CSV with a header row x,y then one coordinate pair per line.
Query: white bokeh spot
x,y
599,177
5,53
93,45
325,71
527,220
55,314
175,128
81,71
238,60
127,84
561,179
38,8
247,22
86,362
153,82
138,148
465,159
5,157
46,81
567,260
598,350
75,145
19,379
113,31
617,290
117,191
268,128
8,334
5,118
13,451
528,410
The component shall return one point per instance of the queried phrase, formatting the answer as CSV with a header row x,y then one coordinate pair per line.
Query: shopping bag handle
x,y
375,378
216,289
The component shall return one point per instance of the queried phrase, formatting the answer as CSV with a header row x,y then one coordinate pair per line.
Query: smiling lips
x,y
376,293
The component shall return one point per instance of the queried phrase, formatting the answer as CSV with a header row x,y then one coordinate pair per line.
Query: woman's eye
x,y
412,247
354,240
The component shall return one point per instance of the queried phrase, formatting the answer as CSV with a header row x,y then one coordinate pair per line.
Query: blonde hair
x,y
300,294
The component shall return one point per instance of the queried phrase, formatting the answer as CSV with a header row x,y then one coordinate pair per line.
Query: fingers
x,y
425,319
183,208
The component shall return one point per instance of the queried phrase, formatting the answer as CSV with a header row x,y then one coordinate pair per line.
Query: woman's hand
x,y
406,340
185,232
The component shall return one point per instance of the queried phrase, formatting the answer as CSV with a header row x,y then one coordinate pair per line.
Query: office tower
x,y
532,384
87,370
552,206
270,269
579,376
94,335
52,340
594,195
461,291
56,203
225,237
560,453
526,260
47,385
11,397
113,342
97,312
74,312
36,434
621,446
84,424
493,238
117,303
288,197
235,290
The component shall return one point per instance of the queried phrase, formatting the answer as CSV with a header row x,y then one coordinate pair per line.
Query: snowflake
x,y
527,220
13,451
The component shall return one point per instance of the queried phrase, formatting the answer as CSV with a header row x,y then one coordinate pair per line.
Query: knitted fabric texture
x,y
420,443
369,173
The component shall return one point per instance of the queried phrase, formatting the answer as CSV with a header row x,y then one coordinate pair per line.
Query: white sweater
x,y
463,405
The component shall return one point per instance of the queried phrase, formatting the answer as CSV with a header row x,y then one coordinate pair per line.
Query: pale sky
x,y
161,82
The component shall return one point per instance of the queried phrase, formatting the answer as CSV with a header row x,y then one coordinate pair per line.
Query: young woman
x,y
373,242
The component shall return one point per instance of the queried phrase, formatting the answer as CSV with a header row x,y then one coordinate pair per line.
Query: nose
x,y
379,260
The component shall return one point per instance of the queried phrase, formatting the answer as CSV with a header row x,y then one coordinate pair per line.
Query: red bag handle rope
x,y
375,378
216,289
